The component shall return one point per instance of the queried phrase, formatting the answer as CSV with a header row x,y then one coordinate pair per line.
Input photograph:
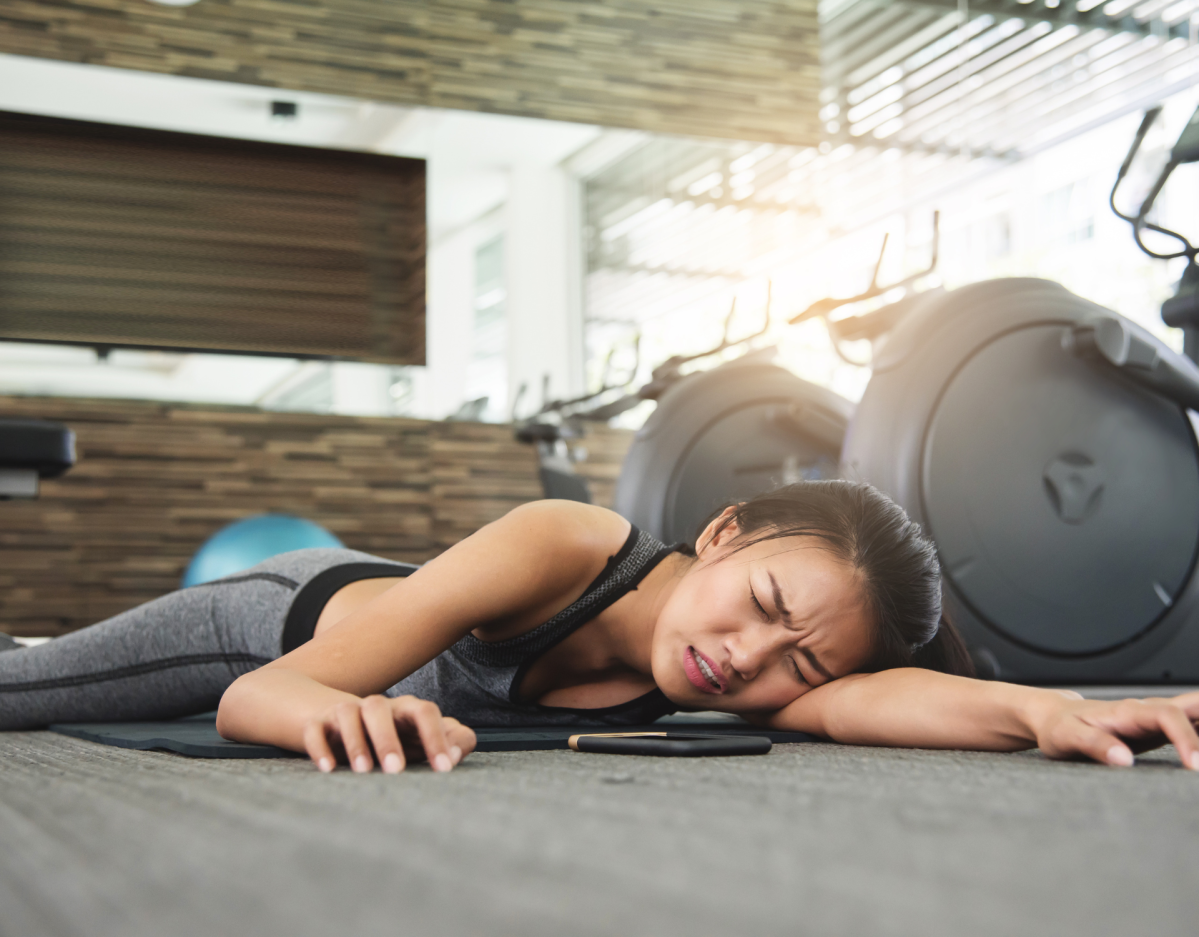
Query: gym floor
x,y
812,839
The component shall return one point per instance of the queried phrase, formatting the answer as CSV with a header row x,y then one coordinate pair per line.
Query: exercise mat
x,y
196,736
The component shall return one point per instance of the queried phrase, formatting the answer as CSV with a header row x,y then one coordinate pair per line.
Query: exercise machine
x,y
734,431
1044,442
1048,447
31,450
1045,445
1182,309
557,428
724,434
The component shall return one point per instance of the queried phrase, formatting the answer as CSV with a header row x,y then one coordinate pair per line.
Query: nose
x,y
751,647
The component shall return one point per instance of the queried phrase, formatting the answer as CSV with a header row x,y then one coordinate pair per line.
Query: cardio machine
x,y
729,432
724,434
1045,443
1048,447
745,427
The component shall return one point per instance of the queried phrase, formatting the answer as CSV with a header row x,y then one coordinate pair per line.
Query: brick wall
x,y
154,481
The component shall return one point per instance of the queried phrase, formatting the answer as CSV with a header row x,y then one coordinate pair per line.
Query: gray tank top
x,y
477,681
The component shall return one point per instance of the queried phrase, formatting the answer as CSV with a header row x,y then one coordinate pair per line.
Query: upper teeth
x,y
706,670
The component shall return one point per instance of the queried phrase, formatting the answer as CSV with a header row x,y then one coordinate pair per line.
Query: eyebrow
x,y
778,598
786,615
816,665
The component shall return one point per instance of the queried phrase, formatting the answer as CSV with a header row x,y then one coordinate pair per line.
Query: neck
x,y
629,633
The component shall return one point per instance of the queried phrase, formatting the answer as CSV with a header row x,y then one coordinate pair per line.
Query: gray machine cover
x,y
725,435
1063,499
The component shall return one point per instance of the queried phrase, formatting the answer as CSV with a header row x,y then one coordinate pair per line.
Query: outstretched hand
x,y
1112,732
394,732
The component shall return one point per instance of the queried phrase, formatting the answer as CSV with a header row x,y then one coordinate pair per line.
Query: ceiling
x,y
997,77
921,97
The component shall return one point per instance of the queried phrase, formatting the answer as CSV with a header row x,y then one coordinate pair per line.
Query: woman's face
x,y
753,630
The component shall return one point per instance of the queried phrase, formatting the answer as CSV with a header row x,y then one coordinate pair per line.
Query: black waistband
x,y
311,600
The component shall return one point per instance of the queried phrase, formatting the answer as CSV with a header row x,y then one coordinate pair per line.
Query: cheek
x,y
686,618
684,612
706,599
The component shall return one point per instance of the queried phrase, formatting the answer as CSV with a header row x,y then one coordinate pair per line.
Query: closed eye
x,y
798,673
758,605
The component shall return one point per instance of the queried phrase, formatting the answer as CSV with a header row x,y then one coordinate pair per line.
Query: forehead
x,y
795,553
825,596
807,571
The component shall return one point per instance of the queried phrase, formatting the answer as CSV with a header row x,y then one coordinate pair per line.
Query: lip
x,y
696,676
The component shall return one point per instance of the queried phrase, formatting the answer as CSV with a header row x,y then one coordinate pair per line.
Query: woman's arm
x,y
924,709
286,708
516,571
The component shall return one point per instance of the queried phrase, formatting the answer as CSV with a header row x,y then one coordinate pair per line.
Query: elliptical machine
x,y
745,427
559,423
1181,310
1043,441
1045,444
724,434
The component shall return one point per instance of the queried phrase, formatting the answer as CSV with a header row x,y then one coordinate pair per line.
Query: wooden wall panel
x,y
125,236
742,69
154,481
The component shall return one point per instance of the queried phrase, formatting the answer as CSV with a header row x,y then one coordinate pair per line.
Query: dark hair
x,y
898,564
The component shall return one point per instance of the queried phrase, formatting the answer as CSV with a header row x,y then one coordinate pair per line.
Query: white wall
x,y
449,320
543,257
540,224
361,389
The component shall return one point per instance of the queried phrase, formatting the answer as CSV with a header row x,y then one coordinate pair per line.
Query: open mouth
x,y
703,672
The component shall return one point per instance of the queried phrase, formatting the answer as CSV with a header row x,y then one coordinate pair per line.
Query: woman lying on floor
x,y
814,608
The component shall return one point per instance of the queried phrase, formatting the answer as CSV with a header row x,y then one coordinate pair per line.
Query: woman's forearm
x,y
271,706
918,708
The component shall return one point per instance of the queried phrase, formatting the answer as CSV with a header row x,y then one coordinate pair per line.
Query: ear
x,y
710,539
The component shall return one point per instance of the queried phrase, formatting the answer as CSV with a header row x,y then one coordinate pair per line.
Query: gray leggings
x,y
170,657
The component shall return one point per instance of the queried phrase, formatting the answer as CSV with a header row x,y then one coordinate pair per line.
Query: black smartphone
x,y
669,743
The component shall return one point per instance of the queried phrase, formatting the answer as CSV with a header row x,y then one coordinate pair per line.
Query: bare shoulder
x,y
534,560
569,526
569,541
533,556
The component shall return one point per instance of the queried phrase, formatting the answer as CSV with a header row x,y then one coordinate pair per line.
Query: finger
x,y
316,743
425,718
381,727
1187,702
1139,722
353,739
1081,738
462,740
1178,729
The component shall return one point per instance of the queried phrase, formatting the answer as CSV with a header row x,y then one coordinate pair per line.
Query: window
x,y
1066,214
487,373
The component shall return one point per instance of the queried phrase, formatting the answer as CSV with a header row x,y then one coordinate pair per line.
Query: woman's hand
x,y
916,708
1110,732
397,730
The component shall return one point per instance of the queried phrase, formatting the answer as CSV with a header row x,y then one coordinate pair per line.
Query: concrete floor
x,y
809,840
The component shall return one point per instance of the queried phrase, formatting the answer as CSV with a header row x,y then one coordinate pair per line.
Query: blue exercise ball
x,y
247,542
